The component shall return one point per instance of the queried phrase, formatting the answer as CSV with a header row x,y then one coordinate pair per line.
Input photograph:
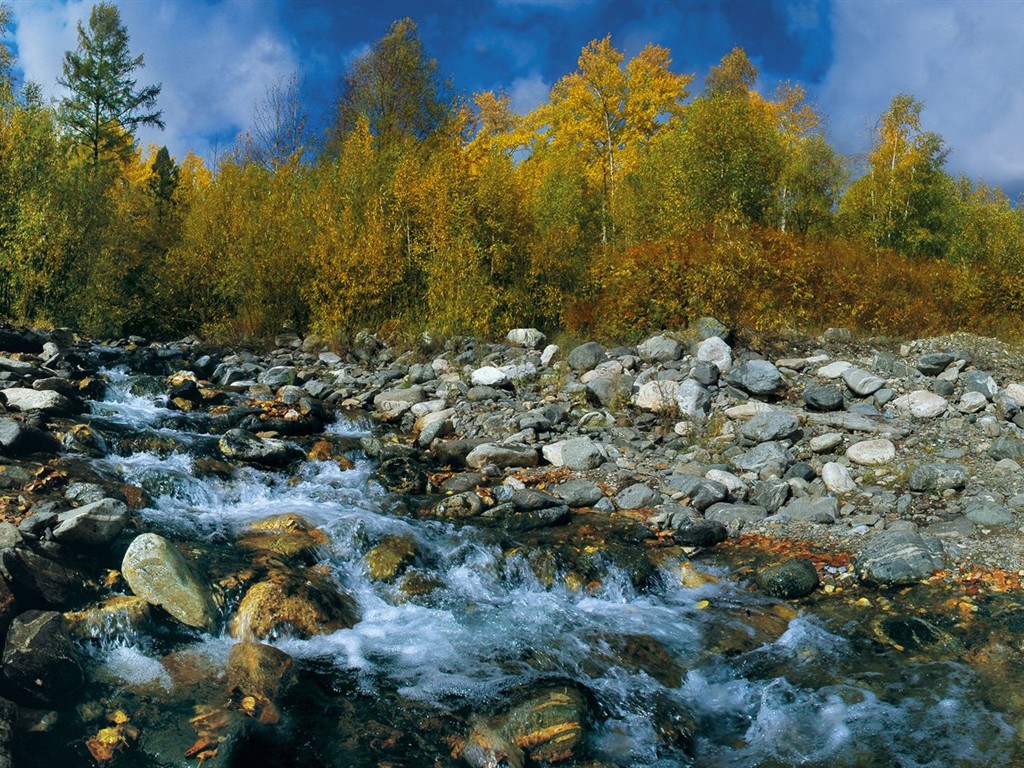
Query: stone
x,y
766,456
705,374
659,349
459,506
611,391
972,402
770,494
705,327
48,402
550,352
301,604
401,474
695,532
693,399
432,426
261,671
826,398
637,496
937,477
36,579
501,456
387,560
18,439
735,516
812,509
288,536
278,376
825,443
833,370
578,493
980,382
934,363
581,453
242,445
586,357
1007,447
897,558
872,453
989,513
10,535
158,573
837,478
488,376
861,382
790,580
530,338
770,426
922,404
92,525
756,377
714,350
701,491
40,659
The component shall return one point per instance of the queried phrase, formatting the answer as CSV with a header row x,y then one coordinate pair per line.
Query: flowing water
x,y
762,684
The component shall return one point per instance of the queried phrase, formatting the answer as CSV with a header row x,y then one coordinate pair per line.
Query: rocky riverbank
x,y
902,455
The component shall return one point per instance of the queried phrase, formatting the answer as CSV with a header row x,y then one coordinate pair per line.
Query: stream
x,y
700,670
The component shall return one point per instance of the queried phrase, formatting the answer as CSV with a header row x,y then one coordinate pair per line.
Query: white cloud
x,y
214,62
962,59
528,92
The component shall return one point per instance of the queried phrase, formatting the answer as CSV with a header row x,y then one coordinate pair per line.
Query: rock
x,y
392,403
611,391
770,456
261,671
432,426
770,494
1007,447
756,377
735,516
695,532
278,376
578,493
922,404
546,728
530,500
770,426
18,439
586,357
980,382
10,535
812,509
459,506
693,399
581,453
834,370
988,513
895,558
827,398
825,443
637,496
934,363
158,573
937,477
501,456
837,478
93,525
299,604
660,349
872,453
972,402
714,350
40,659
530,338
861,382
289,536
401,474
549,354
488,376
790,580
35,579
705,327
387,560
48,402
701,492
657,396
244,446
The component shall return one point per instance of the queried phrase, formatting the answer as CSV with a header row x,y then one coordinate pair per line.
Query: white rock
x,y
837,478
748,409
427,406
922,404
47,401
530,338
715,351
552,453
733,484
657,396
871,453
517,372
1016,391
488,376
607,368
548,354
834,370
972,402
825,443
950,374
440,365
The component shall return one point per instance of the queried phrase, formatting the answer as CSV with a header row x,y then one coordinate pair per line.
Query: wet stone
x,y
300,604
40,660
459,506
790,580
401,474
391,557
578,493
898,557
158,573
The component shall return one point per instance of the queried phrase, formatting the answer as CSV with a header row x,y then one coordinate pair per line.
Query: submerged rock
x,y
261,671
121,613
244,446
389,558
291,603
40,659
288,536
158,573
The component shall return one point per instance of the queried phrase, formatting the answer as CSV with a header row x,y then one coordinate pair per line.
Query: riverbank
x,y
590,471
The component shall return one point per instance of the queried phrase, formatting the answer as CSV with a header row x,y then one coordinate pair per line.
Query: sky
x,y
216,58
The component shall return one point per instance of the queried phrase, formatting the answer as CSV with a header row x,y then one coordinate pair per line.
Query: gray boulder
x,y
586,357
530,338
244,446
934,363
980,382
578,493
40,658
1007,447
637,496
938,476
278,376
158,573
770,494
823,398
771,456
790,580
735,516
756,377
895,558
701,492
812,509
693,399
501,456
581,453
861,382
989,513
94,524
48,402
18,439
770,425
660,349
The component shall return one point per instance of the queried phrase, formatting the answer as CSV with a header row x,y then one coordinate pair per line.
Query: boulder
x,y
48,402
278,376
987,512
93,525
530,338
458,506
937,477
825,398
290,603
261,671
980,382
790,580
934,363
872,453
771,425
158,573
695,532
922,404
18,439
120,613
242,445
288,536
700,491
578,493
35,579
771,456
693,399
637,496
40,660
756,377
501,456
714,350
387,560
586,357
895,558
861,382
488,376
1007,447
581,453
660,349
657,396
735,516
812,509
837,478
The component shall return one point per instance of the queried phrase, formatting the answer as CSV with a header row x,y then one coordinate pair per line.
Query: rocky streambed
x,y
688,552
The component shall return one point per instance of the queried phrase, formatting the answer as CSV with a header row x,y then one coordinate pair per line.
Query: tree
x,y
279,125
105,105
6,59
396,87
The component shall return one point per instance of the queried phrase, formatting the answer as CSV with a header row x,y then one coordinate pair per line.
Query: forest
x,y
633,199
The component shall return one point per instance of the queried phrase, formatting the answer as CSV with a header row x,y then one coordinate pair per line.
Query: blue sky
x,y
215,58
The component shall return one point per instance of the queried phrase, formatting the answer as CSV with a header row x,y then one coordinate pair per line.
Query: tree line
x,y
630,200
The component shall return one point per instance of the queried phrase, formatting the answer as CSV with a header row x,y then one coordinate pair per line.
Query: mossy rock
x,y
389,558
303,604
